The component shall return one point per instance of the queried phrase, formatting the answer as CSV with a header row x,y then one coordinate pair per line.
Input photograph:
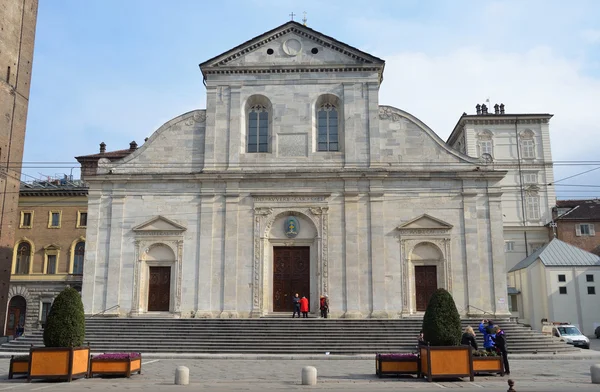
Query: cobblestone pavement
x,y
333,375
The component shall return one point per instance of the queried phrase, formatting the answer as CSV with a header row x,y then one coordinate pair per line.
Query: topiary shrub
x,y
441,323
65,325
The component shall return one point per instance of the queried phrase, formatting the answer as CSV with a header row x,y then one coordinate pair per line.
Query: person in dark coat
x,y
500,341
296,303
487,331
304,306
421,339
468,338
324,306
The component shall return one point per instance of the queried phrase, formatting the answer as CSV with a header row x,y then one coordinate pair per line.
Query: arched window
x,y
327,123
23,258
258,129
78,258
527,144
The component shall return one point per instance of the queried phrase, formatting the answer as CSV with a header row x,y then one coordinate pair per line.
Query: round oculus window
x,y
292,47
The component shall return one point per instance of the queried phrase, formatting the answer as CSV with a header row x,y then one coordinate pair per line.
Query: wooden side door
x,y
12,322
159,290
425,285
291,275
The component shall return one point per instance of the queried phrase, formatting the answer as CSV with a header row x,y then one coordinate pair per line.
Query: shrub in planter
x,y
64,332
443,356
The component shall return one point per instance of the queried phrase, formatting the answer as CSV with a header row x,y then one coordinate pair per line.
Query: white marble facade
x,y
195,201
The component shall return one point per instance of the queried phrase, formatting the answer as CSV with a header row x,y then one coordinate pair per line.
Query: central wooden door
x,y
425,285
291,275
159,289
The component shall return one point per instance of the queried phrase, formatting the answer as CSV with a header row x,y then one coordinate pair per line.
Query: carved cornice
x,y
504,121
290,198
278,70
423,231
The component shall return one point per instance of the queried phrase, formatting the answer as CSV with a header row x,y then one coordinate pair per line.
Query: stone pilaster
x,y
234,147
205,261
230,256
377,254
113,278
218,239
498,261
471,250
352,267
88,293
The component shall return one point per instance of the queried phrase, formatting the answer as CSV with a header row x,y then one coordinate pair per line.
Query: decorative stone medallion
x,y
291,227
292,47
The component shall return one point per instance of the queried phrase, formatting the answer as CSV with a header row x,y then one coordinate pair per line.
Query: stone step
x,y
272,335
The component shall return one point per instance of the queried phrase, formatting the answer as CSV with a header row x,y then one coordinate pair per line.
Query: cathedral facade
x,y
294,179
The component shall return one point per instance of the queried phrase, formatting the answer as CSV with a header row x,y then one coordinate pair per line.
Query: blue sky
x,y
113,71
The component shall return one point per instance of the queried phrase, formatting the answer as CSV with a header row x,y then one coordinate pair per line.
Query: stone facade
x,y
386,197
520,145
17,23
48,250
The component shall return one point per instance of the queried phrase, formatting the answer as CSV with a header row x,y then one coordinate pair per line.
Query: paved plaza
x,y
333,375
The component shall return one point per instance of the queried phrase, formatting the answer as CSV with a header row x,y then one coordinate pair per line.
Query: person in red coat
x,y
304,306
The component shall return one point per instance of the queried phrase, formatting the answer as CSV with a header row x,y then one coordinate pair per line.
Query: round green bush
x,y
65,325
441,323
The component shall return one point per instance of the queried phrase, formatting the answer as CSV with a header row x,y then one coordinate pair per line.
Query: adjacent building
x,y
518,143
17,26
575,222
558,282
48,251
295,179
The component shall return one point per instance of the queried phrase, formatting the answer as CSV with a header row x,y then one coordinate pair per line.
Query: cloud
x,y
591,36
439,88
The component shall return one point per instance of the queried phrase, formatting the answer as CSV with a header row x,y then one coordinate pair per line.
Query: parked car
x,y
597,332
572,335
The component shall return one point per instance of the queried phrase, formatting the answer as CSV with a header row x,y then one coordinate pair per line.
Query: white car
x,y
572,335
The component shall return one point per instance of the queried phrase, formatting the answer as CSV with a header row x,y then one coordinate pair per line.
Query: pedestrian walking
x,y
296,303
304,306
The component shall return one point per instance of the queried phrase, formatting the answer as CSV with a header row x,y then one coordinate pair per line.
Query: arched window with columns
x,y
258,124
23,258
78,256
328,123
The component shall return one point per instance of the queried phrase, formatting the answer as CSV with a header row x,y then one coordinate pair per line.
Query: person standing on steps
x,y
500,339
304,306
324,306
487,332
296,303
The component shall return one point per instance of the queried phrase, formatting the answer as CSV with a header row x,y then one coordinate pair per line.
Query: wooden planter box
x,y
488,365
19,365
115,367
396,366
58,363
446,362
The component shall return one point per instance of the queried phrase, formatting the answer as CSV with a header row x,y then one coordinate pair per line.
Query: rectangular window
x,y
82,219
533,207
514,303
54,219
45,311
509,246
51,268
530,178
591,290
26,219
562,278
485,147
527,148
258,130
562,290
589,278
585,230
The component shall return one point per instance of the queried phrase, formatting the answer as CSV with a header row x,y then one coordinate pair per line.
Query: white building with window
x,y
558,282
294,179
520,145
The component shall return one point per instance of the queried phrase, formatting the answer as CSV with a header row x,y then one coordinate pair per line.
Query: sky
x,y
114,71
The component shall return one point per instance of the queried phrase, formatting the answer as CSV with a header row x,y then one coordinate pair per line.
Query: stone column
x,y
373,124
205,261
352,267
218,244
235,110
498,261
230,256
377,254
471,265
113,278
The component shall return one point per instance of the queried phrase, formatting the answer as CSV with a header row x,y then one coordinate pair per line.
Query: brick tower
x,y
17,33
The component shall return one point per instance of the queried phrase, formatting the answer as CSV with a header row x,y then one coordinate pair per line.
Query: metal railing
x,y
105,310
481,310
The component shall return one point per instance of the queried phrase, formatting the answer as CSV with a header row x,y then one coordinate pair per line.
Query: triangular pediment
x,y
159,223
425,222
291,44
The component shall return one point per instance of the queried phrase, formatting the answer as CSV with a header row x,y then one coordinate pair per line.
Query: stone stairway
x,y
274,335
